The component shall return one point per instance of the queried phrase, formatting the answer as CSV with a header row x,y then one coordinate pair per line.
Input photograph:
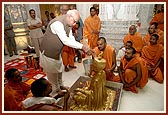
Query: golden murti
x,y
95,96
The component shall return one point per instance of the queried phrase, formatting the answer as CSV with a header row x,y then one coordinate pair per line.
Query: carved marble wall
x,y
118,11
18,14
15,12
116,19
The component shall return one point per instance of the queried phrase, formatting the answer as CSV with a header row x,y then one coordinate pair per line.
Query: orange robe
x,y
146,39
159,18
14,94
129,75
136,39
107,55
152,54
91,24
68,55
159,32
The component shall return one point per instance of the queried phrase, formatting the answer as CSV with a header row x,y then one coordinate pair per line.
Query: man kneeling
x,y
133,71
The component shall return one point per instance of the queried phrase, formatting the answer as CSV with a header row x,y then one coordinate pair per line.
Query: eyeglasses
x,y
73,19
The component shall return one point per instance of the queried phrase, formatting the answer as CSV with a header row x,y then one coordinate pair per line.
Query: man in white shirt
x,y
122,50
58,34
34,24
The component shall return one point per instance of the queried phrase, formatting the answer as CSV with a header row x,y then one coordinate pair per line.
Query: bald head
x,y
132,29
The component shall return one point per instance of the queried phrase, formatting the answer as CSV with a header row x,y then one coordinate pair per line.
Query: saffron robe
x,y
68,55
136,40
152,54
159,18
91,24
14,94
108,56
129,75
159,32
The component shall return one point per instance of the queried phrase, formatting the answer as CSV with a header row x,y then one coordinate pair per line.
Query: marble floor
x,y
152,98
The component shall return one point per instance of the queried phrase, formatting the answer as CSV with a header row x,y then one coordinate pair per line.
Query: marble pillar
x,y
145,15
84,10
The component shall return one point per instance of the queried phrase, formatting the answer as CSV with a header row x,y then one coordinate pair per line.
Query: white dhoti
x,y
53,69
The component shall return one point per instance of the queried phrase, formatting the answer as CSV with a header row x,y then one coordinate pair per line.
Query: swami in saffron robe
x,y
129,74
91,24
68,55
14,94
159,32
108,56
159,18
136,40
152,54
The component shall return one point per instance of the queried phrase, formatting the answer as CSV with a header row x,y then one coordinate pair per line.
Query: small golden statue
x,y
95,96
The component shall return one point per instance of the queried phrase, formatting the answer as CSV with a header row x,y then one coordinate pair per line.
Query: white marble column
x,y
118,11
145,16
84,10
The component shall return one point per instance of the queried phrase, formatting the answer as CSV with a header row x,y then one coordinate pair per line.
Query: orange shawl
x,y
91,24
129,74
152,54
68,54
159,32
136,39
159,18
14,94
108,56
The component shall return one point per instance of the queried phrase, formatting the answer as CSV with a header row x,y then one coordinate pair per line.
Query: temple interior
x,y
115,20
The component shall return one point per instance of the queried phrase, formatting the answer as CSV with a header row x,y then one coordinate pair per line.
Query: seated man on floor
x,y
153,54
109,55
15,91
153,29
122,50
135,37
41,100
133,71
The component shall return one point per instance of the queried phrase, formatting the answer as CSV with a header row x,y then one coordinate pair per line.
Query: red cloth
x,y
20,64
